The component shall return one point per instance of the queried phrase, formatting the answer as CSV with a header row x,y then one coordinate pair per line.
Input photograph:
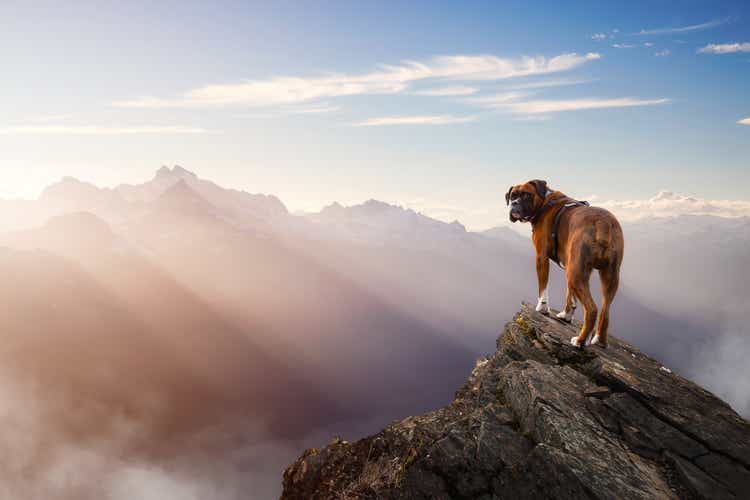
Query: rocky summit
x,y
543,419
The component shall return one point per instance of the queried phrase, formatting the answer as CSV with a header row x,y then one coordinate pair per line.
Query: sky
x,y
435,106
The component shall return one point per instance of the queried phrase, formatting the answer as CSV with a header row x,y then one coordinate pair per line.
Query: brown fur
x,y
588,238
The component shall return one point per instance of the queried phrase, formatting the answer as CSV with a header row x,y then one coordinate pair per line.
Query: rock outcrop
x,y
542,419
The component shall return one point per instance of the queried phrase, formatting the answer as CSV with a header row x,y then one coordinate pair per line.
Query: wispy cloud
x,y
724,48
497,101
518,102
744,121
323,107
683,29
557,106
623,45
546,84
532,118
98,130
387,79
448,91
662,53
415,120
599,36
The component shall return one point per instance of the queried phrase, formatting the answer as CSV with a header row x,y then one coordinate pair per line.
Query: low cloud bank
x,y
49,453
669,204
722,366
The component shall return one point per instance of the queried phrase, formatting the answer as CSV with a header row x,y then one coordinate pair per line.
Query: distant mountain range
x,y
177,297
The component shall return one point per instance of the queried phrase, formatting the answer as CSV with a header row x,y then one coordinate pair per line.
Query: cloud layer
x,y
514,102
669,204
415,120
448,91
388,79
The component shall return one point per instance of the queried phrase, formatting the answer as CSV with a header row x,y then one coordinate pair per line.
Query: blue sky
x,y
435,106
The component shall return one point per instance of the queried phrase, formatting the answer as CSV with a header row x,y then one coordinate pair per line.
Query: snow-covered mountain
x,y
119,204
380,224
234,203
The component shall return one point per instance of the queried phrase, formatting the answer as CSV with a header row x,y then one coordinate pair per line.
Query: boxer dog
x,y
577,237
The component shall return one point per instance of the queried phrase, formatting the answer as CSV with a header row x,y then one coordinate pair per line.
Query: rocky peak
x,y
70,188
381,223
542,419
181,199
176,172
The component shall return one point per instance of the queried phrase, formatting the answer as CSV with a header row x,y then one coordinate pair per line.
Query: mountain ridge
x,y
541,419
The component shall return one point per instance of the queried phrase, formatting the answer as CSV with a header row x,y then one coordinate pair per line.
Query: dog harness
x,y
556,226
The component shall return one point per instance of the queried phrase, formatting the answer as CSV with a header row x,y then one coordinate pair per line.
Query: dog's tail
x,y
603,232
607,241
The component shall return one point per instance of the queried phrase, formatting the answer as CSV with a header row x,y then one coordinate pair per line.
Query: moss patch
x,y
524,326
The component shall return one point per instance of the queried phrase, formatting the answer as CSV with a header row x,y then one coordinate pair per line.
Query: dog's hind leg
x,y
610,278
579,283
570,305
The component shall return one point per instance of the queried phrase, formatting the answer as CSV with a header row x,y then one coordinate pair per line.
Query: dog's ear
x,y
507,196
541,187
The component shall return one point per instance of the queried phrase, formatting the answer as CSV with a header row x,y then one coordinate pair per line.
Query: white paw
x,y
565,316
574,341
542,307
595,340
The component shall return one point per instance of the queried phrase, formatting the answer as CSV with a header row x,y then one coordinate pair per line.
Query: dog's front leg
x,y
542,275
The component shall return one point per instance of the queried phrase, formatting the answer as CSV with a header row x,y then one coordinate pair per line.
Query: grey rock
x,y
697,483
543,419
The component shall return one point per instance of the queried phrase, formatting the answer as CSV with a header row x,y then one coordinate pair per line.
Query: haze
x,y
183,340
439,108
232,230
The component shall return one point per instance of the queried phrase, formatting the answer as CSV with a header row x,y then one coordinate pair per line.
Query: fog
x,y
175,339
46,458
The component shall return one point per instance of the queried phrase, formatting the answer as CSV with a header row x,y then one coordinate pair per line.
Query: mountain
x,y
380,223
276,329
118,204
455,282
81,299
238,205
181,200
541,419
72,195
334,330
509,236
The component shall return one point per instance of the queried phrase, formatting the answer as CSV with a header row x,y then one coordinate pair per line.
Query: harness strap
x,y
547,205
556,226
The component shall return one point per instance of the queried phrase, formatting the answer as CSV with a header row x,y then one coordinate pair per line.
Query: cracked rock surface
x,y
543,419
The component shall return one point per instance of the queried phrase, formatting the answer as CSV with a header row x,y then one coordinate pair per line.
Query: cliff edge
x,y
542,419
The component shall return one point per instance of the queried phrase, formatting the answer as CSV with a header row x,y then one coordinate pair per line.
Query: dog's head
x,y
526,199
